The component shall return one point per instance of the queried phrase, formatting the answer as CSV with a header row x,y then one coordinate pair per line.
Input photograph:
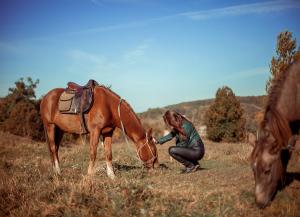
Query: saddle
x,y
77,100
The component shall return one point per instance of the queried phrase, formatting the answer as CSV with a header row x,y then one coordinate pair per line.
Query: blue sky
x,y
152,52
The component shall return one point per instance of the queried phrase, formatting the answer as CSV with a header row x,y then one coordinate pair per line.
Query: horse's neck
x,y
132,125
134,128
288,103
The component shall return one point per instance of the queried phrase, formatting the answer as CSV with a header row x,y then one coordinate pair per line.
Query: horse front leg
x,y
108,155
94,139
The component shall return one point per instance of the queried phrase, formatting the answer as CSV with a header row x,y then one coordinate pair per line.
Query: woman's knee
x,y
172,150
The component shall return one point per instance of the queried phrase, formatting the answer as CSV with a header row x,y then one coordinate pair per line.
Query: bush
x,y
19,111
224,118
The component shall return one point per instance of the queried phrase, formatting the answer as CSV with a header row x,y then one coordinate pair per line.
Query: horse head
x,y
268,162
147,151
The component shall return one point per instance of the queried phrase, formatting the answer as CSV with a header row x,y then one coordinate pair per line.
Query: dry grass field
x,y
223,187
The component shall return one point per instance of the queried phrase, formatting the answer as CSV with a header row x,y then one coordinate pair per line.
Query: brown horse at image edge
x,y
107,112
277,135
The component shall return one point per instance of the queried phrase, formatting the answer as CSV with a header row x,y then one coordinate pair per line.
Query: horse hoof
x,y
57,172
111,176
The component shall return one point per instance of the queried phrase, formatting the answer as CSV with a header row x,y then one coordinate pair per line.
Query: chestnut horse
x,y
101,119
277,137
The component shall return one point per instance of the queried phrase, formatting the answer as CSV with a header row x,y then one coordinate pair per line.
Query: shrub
x,y
19,111
224,118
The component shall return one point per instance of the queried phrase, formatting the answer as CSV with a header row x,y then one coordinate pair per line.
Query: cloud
x,y
117,1
112,27
91,62
82,56
263,70
88,63
239,10
201,15
134,55
9,48
249,73
96,2
236,10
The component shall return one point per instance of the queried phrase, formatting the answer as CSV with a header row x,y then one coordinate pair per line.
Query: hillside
x,y
195,110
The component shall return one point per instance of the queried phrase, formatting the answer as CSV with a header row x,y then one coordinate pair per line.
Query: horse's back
x,y
52,96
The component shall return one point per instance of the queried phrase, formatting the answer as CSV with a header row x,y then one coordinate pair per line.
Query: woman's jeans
x,y
189,157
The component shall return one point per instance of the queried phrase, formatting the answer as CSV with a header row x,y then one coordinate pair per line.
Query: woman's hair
x,y
175,119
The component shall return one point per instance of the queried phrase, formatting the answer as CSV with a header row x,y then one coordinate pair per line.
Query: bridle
x,y
154,156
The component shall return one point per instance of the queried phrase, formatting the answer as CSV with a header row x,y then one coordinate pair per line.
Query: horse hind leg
x,y
108,155
54,136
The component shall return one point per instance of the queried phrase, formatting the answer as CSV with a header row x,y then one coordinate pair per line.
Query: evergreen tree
x,y
224,118
286,54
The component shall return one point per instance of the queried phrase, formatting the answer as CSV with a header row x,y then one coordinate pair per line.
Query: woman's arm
x,y
166,138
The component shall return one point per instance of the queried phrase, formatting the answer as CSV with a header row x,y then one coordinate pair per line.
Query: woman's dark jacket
x,y
192,136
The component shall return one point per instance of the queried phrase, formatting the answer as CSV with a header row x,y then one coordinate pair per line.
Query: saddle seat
x,y
77,99
79,89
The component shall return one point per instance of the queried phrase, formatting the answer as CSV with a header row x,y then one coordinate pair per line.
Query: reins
x,y
122,125
140,148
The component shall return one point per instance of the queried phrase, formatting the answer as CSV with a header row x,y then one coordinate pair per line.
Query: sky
x,y
152,53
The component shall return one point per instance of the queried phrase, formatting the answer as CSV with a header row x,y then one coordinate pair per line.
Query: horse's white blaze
x,y
109,170
258,189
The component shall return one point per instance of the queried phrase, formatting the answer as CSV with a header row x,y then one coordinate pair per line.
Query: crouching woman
x,y
189,147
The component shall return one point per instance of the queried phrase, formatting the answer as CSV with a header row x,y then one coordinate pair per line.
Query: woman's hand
x,y
155,141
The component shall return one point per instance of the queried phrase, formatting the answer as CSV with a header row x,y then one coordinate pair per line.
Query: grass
x,y
223,187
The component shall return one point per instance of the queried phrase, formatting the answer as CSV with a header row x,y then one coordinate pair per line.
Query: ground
x,y
223,187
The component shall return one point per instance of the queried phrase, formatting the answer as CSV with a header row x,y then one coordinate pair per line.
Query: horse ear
x,y
292,142
251,139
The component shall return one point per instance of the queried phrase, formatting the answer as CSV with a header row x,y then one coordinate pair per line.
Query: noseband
x,y
154,157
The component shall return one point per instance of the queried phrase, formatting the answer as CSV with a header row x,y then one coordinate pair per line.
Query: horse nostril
x,y
261,206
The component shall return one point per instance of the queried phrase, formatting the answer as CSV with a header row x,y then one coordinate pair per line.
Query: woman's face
x,y
169,126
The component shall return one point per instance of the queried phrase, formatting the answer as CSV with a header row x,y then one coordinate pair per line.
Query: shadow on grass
x,y
163,167
201,168
124,167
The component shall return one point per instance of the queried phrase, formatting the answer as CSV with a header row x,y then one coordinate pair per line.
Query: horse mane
x,y
279,126
108,88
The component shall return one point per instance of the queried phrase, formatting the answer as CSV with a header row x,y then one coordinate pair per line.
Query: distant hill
x,y
195,111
